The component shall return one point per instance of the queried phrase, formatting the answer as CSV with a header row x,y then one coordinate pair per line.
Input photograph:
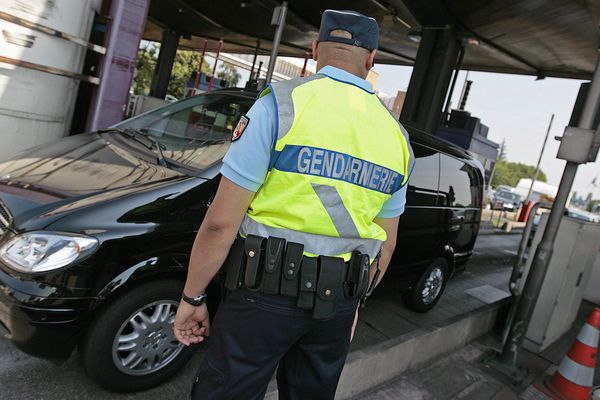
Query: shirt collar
x,y
346,77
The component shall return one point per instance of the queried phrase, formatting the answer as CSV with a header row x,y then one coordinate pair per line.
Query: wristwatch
x,y
195,301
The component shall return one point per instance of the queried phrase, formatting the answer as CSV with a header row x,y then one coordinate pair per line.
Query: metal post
x,y
465,93
517,271
306,56
110,98
437,56
212,78
278,19
260,64
255,57
164,64
454,79
507,361
537,167
199,72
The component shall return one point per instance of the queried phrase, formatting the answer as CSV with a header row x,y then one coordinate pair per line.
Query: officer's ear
x,y
371,59
315,45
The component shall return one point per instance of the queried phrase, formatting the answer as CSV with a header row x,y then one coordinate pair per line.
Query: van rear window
x,y
458,183
423,183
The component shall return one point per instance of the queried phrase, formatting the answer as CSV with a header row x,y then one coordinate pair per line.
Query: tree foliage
x,y
144,68
502,151
594,206
230,73
509,173
185,63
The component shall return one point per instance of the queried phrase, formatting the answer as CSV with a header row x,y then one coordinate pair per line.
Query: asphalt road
x,y
23,377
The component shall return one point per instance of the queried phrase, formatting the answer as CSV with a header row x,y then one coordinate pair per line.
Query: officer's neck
x,y
346,66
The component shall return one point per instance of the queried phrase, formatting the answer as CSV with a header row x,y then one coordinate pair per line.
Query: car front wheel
x,y
429,288
130,346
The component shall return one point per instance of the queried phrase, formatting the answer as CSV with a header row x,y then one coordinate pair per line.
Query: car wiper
x,y
131,133
135,134
161,157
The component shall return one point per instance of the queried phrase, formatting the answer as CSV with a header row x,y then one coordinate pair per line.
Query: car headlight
x,y
44,251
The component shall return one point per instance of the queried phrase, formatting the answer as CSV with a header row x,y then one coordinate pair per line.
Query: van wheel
x,y
429,288
130,346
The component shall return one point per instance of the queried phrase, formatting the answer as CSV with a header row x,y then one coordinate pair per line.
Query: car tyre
x,y
429,288
130,345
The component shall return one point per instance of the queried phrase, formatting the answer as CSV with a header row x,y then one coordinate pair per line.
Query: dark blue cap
x,y
364,30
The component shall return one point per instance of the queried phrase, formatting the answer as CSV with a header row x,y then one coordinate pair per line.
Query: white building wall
x,y
36,107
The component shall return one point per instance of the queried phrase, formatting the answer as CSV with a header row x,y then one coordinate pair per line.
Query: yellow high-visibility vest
x,y
339,155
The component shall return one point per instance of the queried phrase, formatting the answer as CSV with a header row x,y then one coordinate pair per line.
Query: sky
x,y
516,109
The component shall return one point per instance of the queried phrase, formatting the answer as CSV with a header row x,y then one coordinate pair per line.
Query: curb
x,y
370,367
501,232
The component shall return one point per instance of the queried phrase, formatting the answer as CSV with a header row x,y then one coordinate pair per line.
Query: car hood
x,y
87,166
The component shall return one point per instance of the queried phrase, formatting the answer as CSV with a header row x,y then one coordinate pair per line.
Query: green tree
x,y
144,69
594,206
502,151
185,63
509,173
230,73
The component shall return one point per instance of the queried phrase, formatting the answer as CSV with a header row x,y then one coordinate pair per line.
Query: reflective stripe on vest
x,y
313,244
338,157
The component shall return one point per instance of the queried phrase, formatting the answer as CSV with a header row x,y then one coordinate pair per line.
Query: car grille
x,y
5,219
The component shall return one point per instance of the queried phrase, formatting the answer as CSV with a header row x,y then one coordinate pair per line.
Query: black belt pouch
x,y
357,283
254,247
291,269
308,283
272,265
234,265
329,286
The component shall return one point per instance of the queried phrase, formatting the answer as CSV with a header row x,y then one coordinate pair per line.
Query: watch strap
x,y
194,301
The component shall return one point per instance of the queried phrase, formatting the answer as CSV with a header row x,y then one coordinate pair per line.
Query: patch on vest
x,y
331,164
240,128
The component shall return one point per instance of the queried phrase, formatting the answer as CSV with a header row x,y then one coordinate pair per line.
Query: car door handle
x,y
456,220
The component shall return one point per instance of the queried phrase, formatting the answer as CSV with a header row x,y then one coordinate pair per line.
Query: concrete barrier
x,y
510,225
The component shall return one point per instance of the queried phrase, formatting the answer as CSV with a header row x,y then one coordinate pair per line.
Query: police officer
x,y
322,164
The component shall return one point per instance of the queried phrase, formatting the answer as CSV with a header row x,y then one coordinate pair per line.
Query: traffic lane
x,y
24,377
500,248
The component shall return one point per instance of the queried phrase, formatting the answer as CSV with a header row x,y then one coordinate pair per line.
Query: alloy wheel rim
x,y
146,342
433,285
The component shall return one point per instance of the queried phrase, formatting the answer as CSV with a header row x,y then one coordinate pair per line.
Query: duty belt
x,y
274,266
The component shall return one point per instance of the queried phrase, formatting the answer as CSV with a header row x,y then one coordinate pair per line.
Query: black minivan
x,y
96,231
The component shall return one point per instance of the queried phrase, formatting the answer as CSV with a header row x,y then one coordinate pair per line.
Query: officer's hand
x,y
192,324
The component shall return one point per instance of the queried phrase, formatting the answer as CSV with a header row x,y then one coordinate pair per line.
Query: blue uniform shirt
x,y
247,161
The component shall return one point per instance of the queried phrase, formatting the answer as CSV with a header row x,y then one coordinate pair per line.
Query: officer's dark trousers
x,y
253,334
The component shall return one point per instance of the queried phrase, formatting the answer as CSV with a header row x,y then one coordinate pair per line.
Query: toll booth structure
x,y
88,52
65,69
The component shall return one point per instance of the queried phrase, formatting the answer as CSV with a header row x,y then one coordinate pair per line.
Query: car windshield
x,y
196,131
508,195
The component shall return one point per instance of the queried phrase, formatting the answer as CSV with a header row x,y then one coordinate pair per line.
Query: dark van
x,y
96,231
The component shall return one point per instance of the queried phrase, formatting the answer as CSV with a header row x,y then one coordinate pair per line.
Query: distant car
x,y
582,215
96,231
505,199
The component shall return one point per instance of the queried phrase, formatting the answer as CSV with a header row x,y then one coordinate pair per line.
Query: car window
x,y
196,131
508,195
458,183
423,183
